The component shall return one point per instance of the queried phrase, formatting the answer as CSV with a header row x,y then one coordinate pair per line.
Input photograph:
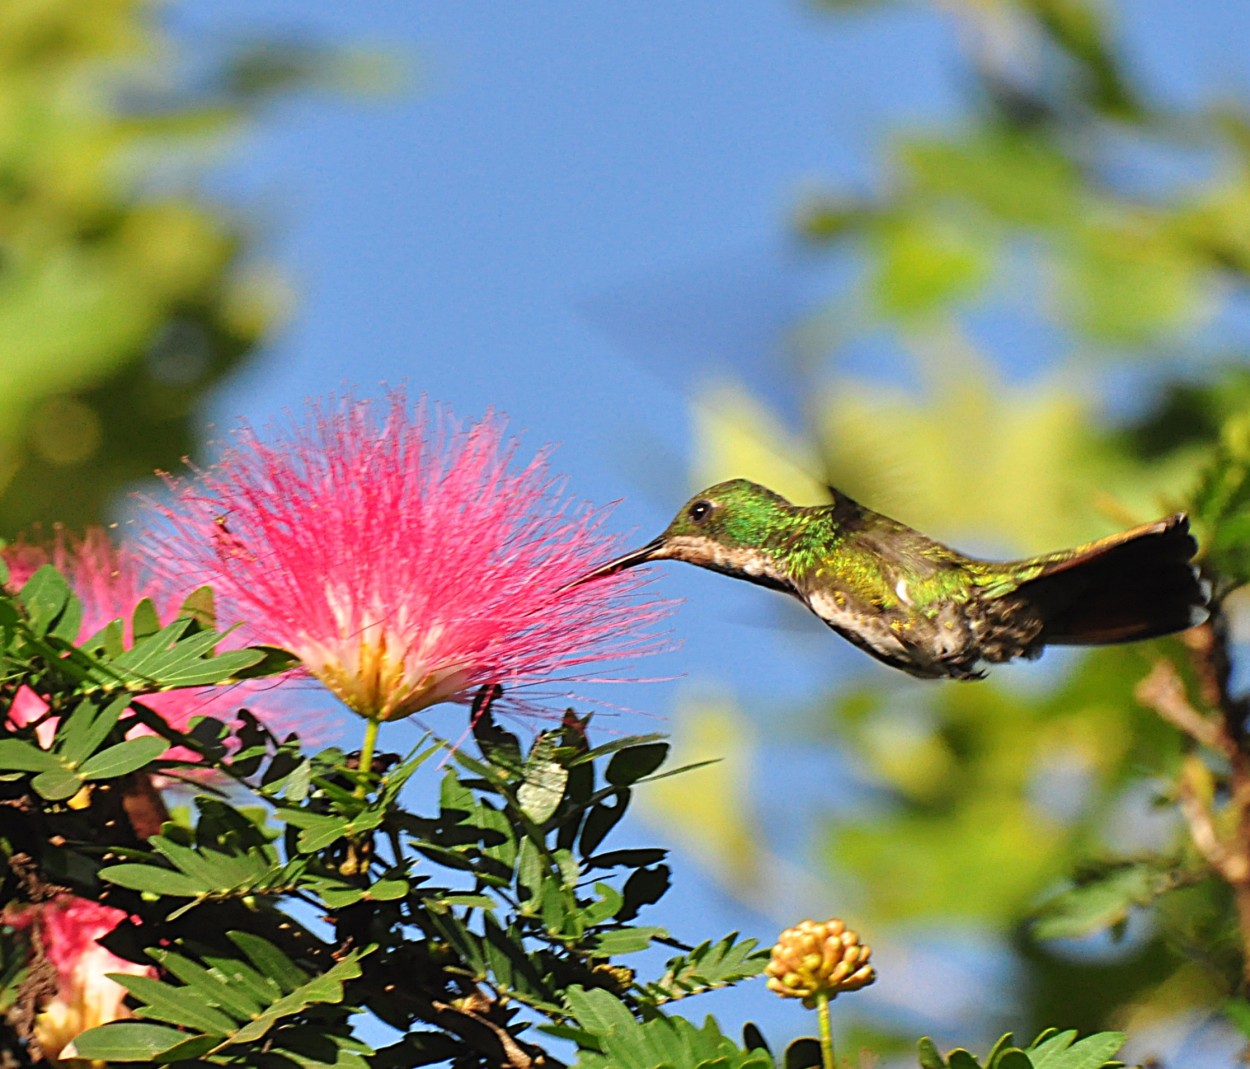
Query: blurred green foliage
x,y
1034,216
125,294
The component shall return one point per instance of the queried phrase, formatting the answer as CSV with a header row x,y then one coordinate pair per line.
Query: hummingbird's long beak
x,y
629,560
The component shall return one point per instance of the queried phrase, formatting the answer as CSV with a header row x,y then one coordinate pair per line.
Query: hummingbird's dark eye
x,y
700,511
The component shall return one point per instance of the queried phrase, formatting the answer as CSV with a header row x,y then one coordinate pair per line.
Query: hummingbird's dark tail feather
x,y
1130,586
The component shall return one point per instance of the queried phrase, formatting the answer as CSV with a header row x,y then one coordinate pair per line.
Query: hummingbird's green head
x,y
726,527
733,514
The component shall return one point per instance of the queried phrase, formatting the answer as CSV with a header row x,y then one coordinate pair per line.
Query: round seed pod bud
x,y
815,958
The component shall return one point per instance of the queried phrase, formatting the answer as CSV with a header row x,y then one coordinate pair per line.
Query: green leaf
x,y
234,1004
544,779
194,670
320,830
454,796
17,755
709,965
600,820
108,642
924,262
322,1051
625,940
85,729
338,894
293,786
164,1002
271,661
178,656
616,745
499,747
269,960
598,1011
69,623
198,1009
323,989
387,890
614,1039
215,985
144,622
1092,1052
147,653
928,1055
632,764
395,779
605,907
644,886
803,1053
243,867
205,869
46,596
470,900
123,758
153,879
125,1041
1004,1042
962,1059
531,870
57,784
199,606
1101,899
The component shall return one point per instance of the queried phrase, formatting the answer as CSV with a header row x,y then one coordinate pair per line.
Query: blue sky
x,y
566,200
563,201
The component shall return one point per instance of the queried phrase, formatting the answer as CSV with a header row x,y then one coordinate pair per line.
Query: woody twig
x,y
1220,831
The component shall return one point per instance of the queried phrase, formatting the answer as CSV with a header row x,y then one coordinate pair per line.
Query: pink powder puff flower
x,y
66,929
404,559
109,582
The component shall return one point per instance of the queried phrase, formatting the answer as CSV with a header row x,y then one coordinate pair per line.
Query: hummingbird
x,y
919,605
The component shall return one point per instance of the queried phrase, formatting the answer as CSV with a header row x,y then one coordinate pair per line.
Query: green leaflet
x,y
220,1012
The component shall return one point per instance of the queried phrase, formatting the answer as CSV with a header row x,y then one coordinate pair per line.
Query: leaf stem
x,y
367,746
826,1032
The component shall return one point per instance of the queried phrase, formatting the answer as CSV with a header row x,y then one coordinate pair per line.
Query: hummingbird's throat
x,y
743,562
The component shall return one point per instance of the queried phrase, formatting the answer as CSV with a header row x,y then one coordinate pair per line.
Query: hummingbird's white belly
x,y
924,646
865,629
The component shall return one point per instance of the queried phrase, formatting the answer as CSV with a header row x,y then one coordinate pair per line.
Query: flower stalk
x,y
826,1030
367,747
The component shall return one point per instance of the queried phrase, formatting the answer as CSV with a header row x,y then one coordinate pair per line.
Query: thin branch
x,y
1213,661
1164,692
476,1008
1221,731
1202,824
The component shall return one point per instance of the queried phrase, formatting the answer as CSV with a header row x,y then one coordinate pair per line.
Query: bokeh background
x,y
980,263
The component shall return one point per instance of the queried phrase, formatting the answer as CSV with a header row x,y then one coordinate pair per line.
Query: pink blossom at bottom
x,y
28,708
66,930
404,559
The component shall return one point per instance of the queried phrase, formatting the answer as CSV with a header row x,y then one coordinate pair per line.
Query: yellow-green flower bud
x,y
812,958
616,978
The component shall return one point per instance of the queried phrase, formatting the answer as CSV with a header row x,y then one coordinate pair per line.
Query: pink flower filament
x,y
403,560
